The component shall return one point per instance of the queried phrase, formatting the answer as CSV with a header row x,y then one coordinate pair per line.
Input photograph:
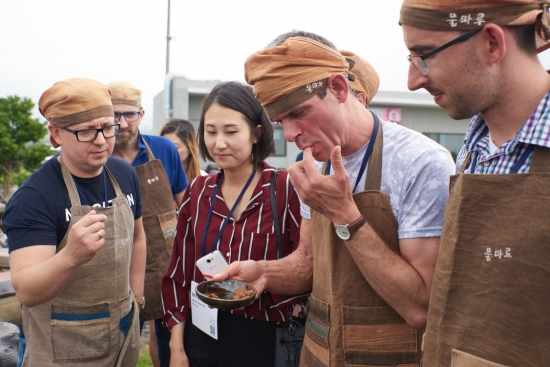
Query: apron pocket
x,y
168,223
316,348
126,321
80,333
378,336
462,359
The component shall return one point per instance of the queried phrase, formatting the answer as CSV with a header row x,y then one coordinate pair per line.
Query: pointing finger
x,y
336,161
309,163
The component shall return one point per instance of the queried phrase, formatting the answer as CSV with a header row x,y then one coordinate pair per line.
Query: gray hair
x,y
294,33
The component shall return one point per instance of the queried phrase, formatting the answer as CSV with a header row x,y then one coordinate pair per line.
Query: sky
x,y
43,42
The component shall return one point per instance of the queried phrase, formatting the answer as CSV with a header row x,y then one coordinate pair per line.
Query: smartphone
x,y
211,264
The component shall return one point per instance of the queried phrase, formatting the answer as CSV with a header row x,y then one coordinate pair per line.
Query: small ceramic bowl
x,y
224,290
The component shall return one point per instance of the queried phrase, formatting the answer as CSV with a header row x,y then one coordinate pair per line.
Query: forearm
x,y
137,263
176,337
391,276
137,269
41,282
290,275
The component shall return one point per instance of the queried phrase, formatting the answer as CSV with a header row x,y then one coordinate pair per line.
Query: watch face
x,y
343,232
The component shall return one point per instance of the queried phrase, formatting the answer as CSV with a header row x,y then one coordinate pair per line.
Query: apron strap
x,y
541,160
116,187
150,154
374,169
71,187
466,162
69,183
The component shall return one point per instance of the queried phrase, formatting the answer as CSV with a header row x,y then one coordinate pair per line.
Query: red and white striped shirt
x,y
251,237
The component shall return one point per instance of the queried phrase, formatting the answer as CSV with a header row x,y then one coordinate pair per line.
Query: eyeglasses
x,y
420,64
129,116
87,135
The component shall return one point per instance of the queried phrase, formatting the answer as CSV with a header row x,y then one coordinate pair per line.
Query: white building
x,y
182,98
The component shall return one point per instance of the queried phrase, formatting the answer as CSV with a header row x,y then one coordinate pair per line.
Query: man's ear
x,y
338,84
142,112
362,97
493,40
55,133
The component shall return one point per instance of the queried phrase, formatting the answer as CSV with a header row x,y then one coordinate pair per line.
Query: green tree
x,y
20,150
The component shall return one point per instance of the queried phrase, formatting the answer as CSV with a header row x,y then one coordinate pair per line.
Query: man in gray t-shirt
x,y
415,175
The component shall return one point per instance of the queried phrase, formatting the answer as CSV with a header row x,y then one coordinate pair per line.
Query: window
x,y
280,142
453,142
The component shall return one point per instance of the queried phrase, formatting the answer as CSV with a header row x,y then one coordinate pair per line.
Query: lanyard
x,y
367,153
85,199
515,168
203,245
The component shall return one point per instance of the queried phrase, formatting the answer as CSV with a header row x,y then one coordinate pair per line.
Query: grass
x,y
144,358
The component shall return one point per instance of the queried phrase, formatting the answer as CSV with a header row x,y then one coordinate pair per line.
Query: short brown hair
x,y
525,37
240,98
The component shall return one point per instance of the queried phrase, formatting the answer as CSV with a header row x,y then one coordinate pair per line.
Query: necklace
x,y
232,191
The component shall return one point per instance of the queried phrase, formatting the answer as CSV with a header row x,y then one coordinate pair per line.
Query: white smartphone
x,y
211,264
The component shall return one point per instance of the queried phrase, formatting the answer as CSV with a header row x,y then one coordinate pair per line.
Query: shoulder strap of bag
x,y
276,215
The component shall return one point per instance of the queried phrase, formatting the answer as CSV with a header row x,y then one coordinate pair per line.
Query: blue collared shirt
x,y
164,150
535,131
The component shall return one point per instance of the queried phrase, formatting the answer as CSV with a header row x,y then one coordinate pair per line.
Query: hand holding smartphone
x,y
211,264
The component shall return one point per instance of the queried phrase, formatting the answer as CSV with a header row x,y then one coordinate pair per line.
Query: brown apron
x,y
490,301
82,325
349,324
159,222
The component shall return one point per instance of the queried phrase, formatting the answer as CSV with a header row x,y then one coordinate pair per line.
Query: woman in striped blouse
x,y
234,132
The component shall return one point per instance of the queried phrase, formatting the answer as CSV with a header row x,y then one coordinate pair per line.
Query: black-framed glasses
x,y
87,135
130,116
420,64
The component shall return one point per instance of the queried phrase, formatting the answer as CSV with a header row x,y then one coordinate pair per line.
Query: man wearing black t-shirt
x,y
77,244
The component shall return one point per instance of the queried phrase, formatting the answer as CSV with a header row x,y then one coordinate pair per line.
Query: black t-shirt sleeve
x,y
30,220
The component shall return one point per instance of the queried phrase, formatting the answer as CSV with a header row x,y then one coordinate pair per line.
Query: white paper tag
x,y
203,317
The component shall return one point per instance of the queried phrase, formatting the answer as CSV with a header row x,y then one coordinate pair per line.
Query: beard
x,y
124,140
464,107
472,96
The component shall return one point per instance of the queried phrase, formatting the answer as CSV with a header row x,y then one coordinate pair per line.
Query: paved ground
x,y
144,340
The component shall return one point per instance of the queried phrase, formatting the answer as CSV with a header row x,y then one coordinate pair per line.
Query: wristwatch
x,y
344,231
141,303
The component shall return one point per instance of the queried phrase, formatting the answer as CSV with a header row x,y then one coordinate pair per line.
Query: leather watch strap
x,y
353,227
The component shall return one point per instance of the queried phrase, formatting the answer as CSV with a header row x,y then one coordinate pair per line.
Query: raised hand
x,y
329,195
86,237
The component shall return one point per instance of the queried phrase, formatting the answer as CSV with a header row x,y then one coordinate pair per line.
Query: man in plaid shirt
x,y
490,296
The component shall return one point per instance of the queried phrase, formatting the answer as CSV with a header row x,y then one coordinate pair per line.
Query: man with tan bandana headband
x,y
77,245
369,244
366,82
163,180
490,296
